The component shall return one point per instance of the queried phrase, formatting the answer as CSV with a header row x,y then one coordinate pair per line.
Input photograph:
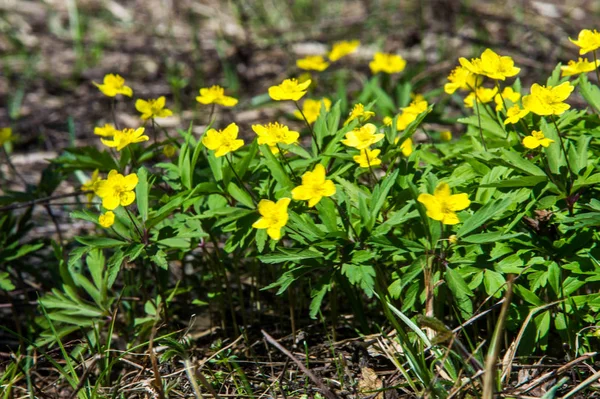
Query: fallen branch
x,y
309,374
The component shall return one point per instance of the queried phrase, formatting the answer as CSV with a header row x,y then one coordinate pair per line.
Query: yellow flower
x,y
169,150
107,219
363,137
548,100
117,190
153,108
387,63
113,85
289,89
492,65
410,113
484,95
507,94
312,63
91,185
5,135
587,41
312,109
107,130
358,112
274,216
536,139
387,120
577,67
122,138
446,135
406,147
222,142
274,134
442,205
314,187
215,95
452,239
368,158
515,114
342,49
460,78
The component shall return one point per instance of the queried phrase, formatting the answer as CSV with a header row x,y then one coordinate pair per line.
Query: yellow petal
x,y
458,202
127,198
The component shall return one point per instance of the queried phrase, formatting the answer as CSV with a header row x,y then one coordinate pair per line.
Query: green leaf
x,y
275,168
100,242
516,161
362,276
240,195
141,192
492,281
5,282
95,262
523,181
289,255
489,210
590,92
317,296
461,292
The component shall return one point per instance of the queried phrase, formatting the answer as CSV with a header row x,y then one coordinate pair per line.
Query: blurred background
x,y
52,50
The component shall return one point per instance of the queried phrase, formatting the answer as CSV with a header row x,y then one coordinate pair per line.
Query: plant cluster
x,y
430,231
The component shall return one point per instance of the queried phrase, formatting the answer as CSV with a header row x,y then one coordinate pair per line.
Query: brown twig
x,y
38,201
328,394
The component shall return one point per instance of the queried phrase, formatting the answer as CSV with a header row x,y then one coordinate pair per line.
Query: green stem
x,y
312,132
240,180
287,163
479,118
562,145
596,67
375,180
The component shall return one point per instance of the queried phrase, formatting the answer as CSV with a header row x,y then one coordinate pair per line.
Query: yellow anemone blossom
x,y
358,112
289,89
5,135
153,108
387,63
446,135
548,100
108,130
117,190
536,139
122,138
314,187
460,78
215,95
169,150
91,185
274,216
222,142
363,137
442,205
107,219
312,63
342,49
492,65
577,67
387,120
406,147
514,114
312,109
273,134
368,158
507,94
113,85
410,113
587,41
483,95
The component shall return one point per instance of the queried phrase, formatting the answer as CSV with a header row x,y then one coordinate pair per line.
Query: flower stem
x,y
134,223
596,67
564,150
370,168
479,118
312,132
240,180
113,106
287,163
